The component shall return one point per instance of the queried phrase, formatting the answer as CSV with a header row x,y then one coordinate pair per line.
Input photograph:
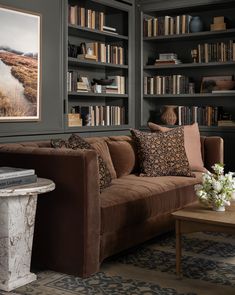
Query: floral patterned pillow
x,y
162,154
77,142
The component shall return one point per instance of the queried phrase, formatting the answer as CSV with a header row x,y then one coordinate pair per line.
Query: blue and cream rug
x,y
208,266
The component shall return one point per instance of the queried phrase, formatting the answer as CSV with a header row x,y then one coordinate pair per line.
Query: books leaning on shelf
x,y
101,115
216,52
204,116
84,17
166,25
160,85
10,176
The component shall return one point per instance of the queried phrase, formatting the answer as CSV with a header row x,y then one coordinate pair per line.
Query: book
x,y
15,181
223,91
110,29
9,172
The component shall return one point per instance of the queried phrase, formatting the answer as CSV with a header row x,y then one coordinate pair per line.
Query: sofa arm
x,y
213,151
67,228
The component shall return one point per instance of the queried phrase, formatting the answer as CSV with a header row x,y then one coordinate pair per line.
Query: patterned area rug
x,y
208,268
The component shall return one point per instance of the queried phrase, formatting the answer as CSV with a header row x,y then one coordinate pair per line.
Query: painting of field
x,y
19,65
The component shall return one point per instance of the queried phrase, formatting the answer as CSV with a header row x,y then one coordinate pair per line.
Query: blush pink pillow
x,y
192,144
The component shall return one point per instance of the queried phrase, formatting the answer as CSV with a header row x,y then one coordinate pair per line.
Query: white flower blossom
x,y
216,189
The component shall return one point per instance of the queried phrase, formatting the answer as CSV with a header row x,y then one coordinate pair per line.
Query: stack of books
x,y
10,176
167,58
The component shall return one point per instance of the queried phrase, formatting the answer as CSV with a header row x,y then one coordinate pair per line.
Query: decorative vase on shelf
x,y
218,209
195,24
169,116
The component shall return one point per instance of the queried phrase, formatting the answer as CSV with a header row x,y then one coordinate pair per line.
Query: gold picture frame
x,y
20,65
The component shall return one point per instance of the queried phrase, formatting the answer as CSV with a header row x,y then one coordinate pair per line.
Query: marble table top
x,y
41,186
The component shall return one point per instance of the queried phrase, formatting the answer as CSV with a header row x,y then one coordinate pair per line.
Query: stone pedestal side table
x,y
17,216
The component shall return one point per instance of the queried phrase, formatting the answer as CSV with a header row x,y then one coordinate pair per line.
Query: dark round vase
x,y
196,24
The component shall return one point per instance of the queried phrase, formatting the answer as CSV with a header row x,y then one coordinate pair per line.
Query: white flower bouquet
x,y
217,188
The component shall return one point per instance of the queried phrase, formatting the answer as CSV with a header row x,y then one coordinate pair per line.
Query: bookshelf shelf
x,y
99,128
189,65
190,36
94,64
183,96
91,94
93,33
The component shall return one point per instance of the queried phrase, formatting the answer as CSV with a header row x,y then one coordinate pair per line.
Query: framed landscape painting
x,y
19,65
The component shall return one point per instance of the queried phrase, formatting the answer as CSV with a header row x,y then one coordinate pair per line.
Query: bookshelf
x,y
100,48
154,44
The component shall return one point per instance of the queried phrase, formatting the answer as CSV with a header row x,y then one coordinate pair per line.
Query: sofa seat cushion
x,y
132,199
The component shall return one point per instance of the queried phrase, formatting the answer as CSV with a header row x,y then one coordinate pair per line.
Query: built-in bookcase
x,y
99,44
212,59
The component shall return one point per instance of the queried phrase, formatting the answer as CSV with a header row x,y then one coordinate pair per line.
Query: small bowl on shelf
x,y
225,84
103,82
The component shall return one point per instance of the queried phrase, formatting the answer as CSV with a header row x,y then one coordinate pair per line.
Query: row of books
x,y
78,83
10,176
174,84
216,52
98,115
88,18
166,25
108,53
205,116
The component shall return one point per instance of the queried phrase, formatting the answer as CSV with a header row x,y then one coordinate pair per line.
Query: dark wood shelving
x,y
93,64
183,96
189,65
86,32
92,94
189,36
100,128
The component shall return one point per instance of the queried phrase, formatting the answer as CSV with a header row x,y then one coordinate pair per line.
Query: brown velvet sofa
x,y
77,227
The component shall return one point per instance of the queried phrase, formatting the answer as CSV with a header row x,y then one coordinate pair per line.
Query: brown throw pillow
x,y
192,144
162,153
77,142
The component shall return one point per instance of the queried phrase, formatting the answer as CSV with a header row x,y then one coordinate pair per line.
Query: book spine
x,y
17,174
18,181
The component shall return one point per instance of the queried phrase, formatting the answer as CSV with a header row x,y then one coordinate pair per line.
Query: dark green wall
x,y
51,71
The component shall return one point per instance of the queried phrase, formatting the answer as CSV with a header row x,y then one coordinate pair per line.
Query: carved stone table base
x,y
17,215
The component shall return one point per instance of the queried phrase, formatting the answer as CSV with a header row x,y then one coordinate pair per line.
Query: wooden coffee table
x,y
196,218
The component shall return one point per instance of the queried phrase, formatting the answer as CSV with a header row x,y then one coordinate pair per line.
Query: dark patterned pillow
x,y
77,142
59,143
162,154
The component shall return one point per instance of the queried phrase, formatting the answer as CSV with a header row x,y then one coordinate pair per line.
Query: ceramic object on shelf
x,y
225,84
169,116
196,24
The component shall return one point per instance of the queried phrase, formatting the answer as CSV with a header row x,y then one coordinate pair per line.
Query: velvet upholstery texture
x,y
191,142
76,142
76,226
162,153
123,156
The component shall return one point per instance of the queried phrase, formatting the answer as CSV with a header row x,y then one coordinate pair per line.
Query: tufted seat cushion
x,y
131,199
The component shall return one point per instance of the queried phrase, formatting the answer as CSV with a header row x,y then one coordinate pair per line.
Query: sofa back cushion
x,y
123,155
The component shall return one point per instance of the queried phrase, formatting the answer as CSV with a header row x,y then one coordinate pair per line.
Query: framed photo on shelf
x,y
20,78
87,82
214,83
